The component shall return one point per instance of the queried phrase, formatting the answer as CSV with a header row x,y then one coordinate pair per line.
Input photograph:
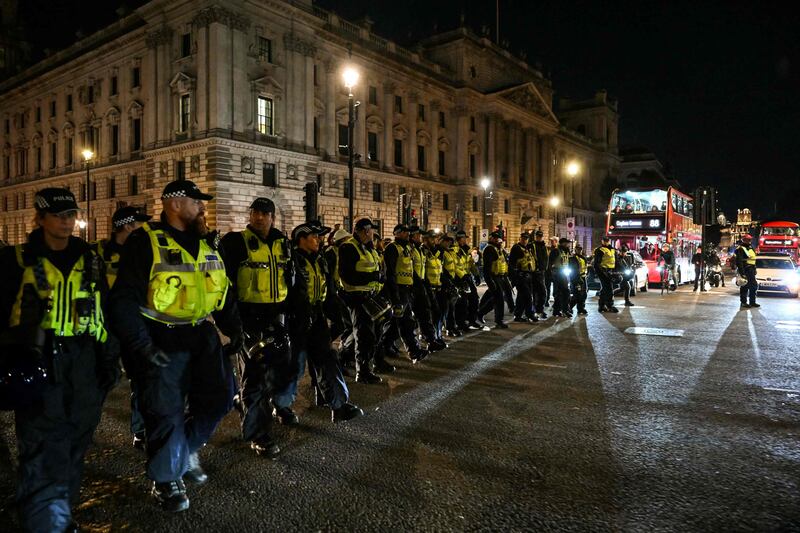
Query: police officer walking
x,y
521,265
627,268
335,308
450,280
471,300
604,265
539,253
433,285
171,280
746,267
259,265
51,322
421,301
360,273
561,274
310,334
495,271
125,221
399,288
579,265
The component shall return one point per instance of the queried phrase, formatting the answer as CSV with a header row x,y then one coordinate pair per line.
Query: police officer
x,y
311,336
433,284
399,288
171,280
125,221
560,273
552,255
604,265
452,274
538,250
471,300
258,261
495,272
335,308
421,303
579,265
746,267
361,276
521,265
53,285
627,271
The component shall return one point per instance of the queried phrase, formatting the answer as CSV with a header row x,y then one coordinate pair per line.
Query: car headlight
x,y
566,270
628,272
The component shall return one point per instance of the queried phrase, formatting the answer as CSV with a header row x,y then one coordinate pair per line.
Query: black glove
x,y
156,357
236,343
107,367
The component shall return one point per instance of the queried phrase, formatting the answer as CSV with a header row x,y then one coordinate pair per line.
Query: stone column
x,y
527,136
360,131
153,72
411,124
511,155
310,106
388,126
491,149
462,143
433,149
330,123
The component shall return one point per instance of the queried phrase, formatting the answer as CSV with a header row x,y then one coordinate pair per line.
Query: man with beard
x,y
258,261
521,265
308,327
53,334
125,221
171,281
538,250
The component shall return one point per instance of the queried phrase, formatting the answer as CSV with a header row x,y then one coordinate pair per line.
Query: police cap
x,y
128,215
184,189
55,201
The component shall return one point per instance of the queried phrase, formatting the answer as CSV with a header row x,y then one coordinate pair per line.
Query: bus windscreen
x,y
653,201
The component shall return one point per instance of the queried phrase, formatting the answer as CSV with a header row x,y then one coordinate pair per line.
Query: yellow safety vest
x,y
608,260
111,260
500,266
461,262
433,267
582,267
368,261
334,268
751,256
73,304
182,289
404,267
449,262
316,284
261,278
419,262
526,263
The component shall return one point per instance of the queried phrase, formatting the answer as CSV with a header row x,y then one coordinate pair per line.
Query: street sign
x,y
571,224
484,235
570,235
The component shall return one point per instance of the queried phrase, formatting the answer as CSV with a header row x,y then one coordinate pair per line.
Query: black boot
x,y
265,447
171,495
367,377
348,411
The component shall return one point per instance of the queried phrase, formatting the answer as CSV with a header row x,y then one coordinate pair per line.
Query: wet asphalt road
x,y
567,425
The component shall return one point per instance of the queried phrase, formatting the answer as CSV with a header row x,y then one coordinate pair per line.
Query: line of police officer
x,y
280,301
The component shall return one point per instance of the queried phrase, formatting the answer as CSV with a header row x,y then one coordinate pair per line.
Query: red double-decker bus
x,y
780,237
646,218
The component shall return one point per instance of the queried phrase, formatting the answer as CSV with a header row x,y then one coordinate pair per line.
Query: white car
x,y
777,273
640,272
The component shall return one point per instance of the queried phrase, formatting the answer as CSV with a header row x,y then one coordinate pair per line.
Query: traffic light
x,y
310,200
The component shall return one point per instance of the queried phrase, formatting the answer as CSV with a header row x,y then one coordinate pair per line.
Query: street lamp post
x,y
485,184
573,168
87,158
554,202
350,76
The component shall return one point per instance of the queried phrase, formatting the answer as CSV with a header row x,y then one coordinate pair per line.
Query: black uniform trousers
x,y
468,301
698,278
261,380
540,294
579,292
422,306
747,293
498,292
548,283
606,288
445,301
561,294
183,402
53,436
314,345
437,318
404,325
365,330
523,306
627,288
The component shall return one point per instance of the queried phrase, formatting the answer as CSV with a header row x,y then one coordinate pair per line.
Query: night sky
x,y
712,88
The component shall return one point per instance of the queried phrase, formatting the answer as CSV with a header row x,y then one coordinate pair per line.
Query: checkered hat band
x,y
123,221
176,194
41,203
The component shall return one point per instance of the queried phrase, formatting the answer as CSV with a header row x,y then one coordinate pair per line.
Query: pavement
x,y
567,425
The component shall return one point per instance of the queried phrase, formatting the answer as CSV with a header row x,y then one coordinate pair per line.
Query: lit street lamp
x,y
486,183
350,77
87,158
573,168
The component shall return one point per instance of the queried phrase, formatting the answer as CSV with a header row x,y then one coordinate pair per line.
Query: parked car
x,y
639,276
777,273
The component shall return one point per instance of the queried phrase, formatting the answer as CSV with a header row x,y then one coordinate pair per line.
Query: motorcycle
x,y
714,275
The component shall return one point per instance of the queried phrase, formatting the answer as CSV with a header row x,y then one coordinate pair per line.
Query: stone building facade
x,y
247,100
